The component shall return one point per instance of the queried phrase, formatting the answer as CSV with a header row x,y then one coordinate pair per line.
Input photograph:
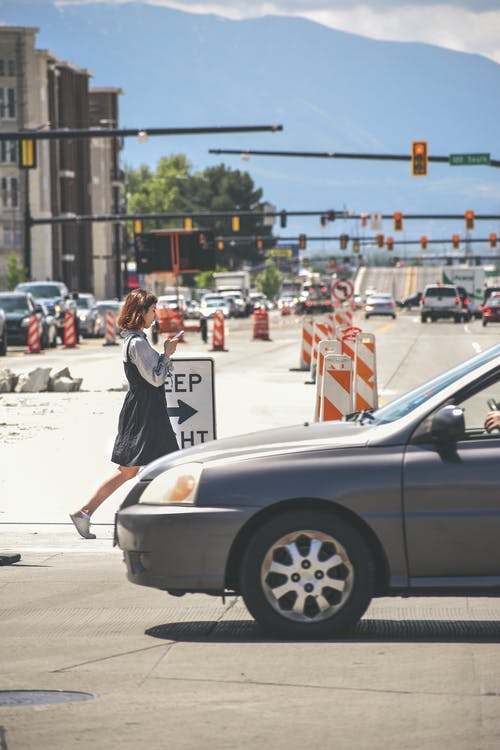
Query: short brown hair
x,y
135,305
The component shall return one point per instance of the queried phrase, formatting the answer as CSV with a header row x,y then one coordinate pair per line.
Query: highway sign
x,y
342,290
191,400
462,160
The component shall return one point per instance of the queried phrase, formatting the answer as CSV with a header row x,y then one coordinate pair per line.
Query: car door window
x,y
477,405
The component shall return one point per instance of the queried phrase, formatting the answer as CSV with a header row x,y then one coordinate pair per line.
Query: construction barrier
x,y
349,335
321,331
34,342
306,344
218,332
365,372
109,331
336,396
69,335
325,347
261,324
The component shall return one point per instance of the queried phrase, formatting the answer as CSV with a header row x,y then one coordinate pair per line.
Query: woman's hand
x,y
169,347
492,420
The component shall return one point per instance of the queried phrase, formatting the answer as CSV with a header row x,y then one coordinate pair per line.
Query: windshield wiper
x,y
359,416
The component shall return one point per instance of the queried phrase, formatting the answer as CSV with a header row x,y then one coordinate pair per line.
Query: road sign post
x,y
191,400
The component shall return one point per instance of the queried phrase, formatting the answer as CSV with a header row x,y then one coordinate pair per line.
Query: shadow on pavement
x,y
431,631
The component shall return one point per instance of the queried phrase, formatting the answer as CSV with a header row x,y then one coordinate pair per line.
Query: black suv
x,y
316,298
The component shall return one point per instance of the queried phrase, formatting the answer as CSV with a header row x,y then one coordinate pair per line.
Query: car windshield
x,y
17,304
84,303
441,291
402,406
41,290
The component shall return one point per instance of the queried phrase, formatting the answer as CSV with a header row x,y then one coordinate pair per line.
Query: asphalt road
x,y
196,672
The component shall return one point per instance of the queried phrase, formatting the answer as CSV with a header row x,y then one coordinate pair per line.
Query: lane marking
x,y
476,347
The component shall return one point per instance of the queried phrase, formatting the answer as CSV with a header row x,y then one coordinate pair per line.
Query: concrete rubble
x,y
38,380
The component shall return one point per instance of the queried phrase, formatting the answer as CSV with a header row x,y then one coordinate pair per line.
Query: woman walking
x,y
144,429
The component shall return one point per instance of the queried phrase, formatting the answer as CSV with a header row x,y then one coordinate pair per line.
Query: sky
x,y
470,26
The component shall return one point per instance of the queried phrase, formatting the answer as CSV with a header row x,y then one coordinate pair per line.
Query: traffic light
x,y
220,244
364,218
493,240
302,242
355,246
469,220
344,239
456,241
323,220
305,262
235,223
27,153
419,158
423,242
398,221
390,243
137,226
331,216
260,244
283,219
380,240
188,222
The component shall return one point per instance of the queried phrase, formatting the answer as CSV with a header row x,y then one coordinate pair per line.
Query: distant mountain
x,y
332,91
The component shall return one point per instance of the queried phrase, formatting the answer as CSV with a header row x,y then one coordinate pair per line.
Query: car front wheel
x,y
307,575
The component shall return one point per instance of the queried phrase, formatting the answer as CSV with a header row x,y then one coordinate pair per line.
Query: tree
x,y
269,280
16,272
173,188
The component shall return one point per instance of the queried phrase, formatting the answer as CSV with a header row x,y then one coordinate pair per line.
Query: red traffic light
x,y
423,242
419,158
456,240
469,219
398,221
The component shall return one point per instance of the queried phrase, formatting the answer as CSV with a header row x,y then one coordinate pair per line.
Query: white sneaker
x,y
82,523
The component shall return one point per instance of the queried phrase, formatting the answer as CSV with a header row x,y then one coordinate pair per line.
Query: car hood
x,y
16,316
281,440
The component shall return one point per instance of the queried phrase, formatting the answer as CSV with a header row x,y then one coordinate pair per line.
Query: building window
x,y
10,192
12,233
7,103
8,152
11,67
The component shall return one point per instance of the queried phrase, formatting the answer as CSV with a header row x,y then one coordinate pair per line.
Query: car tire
x,y
366,317
3,345
484,323
457,318
423,318
306,543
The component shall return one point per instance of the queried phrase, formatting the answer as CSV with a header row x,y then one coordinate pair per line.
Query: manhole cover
x,y
34,697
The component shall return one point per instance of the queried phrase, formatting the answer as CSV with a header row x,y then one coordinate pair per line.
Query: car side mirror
x,y
448,424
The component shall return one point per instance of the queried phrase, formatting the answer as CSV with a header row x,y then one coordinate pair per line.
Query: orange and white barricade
x,y
306,343
336,397
109,330
261,324
34,341
218,332
325,348
321,331
348,339
69,335
365,373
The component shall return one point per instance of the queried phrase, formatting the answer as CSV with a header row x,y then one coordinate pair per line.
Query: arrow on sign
x,y
182,410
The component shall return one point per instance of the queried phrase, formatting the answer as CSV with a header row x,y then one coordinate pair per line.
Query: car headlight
x,y
174,486
25,322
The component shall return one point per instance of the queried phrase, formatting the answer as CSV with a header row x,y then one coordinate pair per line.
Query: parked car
x,y
308,523
91,320
380,304
3,334
212,302
18,308
55,296
410,301
491,311
441,301
168,307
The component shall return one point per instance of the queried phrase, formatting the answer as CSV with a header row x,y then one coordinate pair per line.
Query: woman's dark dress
x,y
144,429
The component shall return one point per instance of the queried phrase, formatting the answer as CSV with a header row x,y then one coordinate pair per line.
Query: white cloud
x,y
452,25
